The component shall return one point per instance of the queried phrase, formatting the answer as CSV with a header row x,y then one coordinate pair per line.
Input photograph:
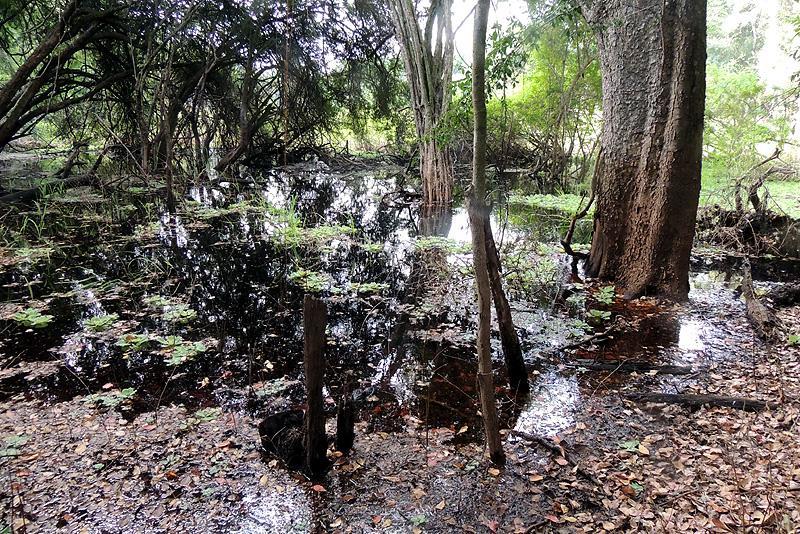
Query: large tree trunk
x,y
647,180
477,217
428,59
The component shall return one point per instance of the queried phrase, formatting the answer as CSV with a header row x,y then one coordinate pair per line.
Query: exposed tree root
x,y
697,401
634,367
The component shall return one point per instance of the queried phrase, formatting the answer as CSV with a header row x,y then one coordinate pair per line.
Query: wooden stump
x,y
315,318
345,422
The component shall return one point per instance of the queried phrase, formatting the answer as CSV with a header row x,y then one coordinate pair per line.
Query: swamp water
x,y
134,308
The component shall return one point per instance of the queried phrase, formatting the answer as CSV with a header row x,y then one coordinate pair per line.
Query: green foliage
x,y
178,350
133,342
577,327
13,444
740,115
372,248
631,445
112,399
156,301
101,323
32,255
598,316
606,295
793,340
204,415
311,281
275,387
207,415
32,318
180,314
367,288
450,246
567,203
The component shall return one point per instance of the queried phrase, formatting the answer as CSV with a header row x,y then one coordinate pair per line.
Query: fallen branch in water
x,y
556,450
599,336
66,181
34,193
633,367
766,323
697,401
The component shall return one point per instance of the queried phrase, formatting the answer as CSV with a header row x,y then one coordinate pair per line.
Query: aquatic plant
x,y
32,318
312,281
101,323
367,288
295,235
178,350
134,342
180,314
112,399
565,203
156,301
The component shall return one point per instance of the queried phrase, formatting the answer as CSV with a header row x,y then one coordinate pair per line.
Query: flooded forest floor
x,y
140,348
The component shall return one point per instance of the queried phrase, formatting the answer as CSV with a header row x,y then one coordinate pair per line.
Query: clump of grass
x,y
567,203
450,246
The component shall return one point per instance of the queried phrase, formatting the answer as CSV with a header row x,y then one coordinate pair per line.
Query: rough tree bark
x,y
428,59
477,217
647,179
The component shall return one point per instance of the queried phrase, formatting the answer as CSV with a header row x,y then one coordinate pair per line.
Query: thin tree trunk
x,y
315,318
647,178
477,220
512,351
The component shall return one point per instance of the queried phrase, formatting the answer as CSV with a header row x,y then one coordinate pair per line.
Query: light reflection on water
x,y
286,511
552,405
690,335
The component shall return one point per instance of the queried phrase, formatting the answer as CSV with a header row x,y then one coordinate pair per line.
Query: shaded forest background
x,y
180,89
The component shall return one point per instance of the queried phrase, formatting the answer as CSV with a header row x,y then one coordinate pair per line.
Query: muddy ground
x,y
150,344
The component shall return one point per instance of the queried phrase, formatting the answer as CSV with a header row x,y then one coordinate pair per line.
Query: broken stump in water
x,y
282,435
315,320
345,421
299,439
